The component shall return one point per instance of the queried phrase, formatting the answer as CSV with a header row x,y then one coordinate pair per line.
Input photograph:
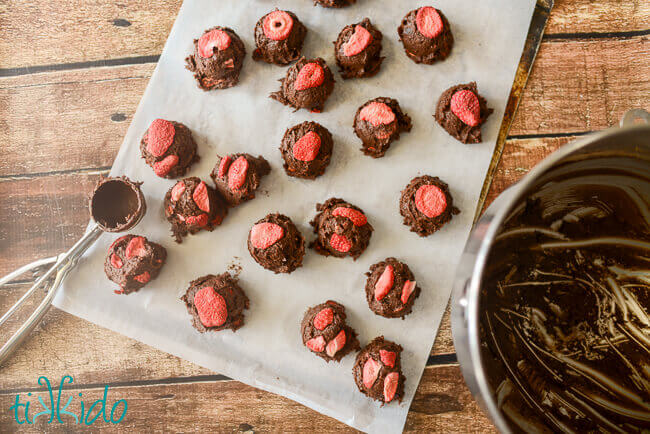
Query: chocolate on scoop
x,y
117,204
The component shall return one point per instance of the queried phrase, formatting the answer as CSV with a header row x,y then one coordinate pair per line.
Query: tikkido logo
x,y
56,410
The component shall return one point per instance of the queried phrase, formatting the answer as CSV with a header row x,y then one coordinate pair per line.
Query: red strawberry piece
x,y
335,344
323,318
388,358
384,283
316,344
117,241
237,173
358,42
340,243
377,113
160,137
370,372
116,262
224,164
143,278
162,168
200,197
390,386
211,307
230,63
214,38
178,190
430,200
407,290
311,75
136,247
381,135
277,25
465,105
264,235
357,217
198,220
306,149
428,22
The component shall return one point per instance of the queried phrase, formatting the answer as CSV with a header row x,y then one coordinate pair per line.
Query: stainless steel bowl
x,y
632,139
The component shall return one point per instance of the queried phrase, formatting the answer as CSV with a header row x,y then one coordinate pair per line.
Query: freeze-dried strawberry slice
x,y
323,318
390,386
162,168
277,25
160,137
211,307
465,105
198,220
214,38
384,283
136,247
430,200
224,164
178,190
116,262
311,75
340,243
358,42
388,358
428,22
143,278
316,344
357,217
237,173
370,372
264,235
200,197
407,290
306,149
335,344
377,113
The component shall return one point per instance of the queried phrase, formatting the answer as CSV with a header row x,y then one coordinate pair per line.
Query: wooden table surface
x,y
71,76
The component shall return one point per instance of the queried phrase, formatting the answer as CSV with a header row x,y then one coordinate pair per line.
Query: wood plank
x,y
575,86
442,404
42,32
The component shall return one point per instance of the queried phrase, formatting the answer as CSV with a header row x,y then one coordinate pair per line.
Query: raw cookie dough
x,y
426,35
307,150
117,204
216,303
378,123
168,147
238,176
192,205
307,85
358,50
279,36
325,332
391,289
461,111
276,244
426,205
132,261
342,229
217,59
334,3
378,371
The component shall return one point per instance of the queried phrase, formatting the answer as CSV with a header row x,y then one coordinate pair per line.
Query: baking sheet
x,y
267,352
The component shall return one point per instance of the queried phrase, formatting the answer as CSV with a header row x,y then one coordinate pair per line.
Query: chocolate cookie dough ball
x,y
334,3
378,123
133,261
217,59
325,332
461,111
279,36
117,204
238,176
307,150
191,205
426,35
216,303
391,289
358,50
342,229
378,371
426,205
276,244
169,148
307,85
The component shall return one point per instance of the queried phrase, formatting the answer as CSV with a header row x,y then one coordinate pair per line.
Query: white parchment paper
x,y
267,352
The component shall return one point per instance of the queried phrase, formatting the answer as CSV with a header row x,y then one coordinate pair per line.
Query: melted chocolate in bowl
x,y
117,204
565,302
